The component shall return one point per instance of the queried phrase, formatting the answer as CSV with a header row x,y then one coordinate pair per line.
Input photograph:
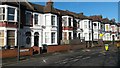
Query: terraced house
x,y
48,25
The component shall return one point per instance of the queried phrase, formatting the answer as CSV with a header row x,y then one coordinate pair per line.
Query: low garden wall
x,y
9,53
57,48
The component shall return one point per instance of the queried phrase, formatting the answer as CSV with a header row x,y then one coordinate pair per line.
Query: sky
x,y
106,9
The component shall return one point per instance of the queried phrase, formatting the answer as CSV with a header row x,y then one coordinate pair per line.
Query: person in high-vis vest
x,y
106,47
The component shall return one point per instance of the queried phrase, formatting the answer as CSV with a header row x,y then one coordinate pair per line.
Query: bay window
x,y
85,24
69,19
53,20
64,21
53,37
10,37
11,14
2,13
47,37
8,13
1,38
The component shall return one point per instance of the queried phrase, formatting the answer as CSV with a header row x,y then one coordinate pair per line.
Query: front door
x,y
36,39
113,39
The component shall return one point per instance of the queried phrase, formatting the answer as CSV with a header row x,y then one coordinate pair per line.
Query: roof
x,y
96,17
23,4
106,20
49,8
38,8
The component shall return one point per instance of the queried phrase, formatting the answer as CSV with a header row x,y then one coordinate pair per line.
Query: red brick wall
x,y
9,53
75,47
63,48
36,48
58,48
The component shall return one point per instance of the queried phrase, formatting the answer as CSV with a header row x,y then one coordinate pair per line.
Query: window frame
x,y
53,20
28,36
38,18
70,21
47,37
6,14
29,19
53,35
10,37
64,21
2,13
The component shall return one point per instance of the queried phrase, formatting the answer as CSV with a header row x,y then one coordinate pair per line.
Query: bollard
x,y
106,47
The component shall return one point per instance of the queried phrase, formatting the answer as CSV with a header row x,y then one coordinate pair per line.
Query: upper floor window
x,y
28,18
8,13
35,19
95,24
113,28
2,13
107,27
69,19
53,20
11,14
64,21
85,24
89,24
78,25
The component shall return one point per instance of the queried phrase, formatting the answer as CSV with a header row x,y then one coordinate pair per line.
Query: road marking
x,y
65,60
79,56
86,50
75,60
86,57
44,60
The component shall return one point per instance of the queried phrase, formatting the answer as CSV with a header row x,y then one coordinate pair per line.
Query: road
x,y
85,57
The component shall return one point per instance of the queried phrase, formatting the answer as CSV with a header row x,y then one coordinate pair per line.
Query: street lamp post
x,y
19,34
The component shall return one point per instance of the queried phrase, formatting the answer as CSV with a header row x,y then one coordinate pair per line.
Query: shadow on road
x,y
105,58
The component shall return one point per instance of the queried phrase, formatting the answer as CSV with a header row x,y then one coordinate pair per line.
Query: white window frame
x,y
85,24
2,14
64,21
47,38
6,13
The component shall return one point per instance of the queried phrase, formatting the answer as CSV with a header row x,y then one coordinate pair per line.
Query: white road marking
x,y
86,57
86,50
65,60
75,60
79,56
44,60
